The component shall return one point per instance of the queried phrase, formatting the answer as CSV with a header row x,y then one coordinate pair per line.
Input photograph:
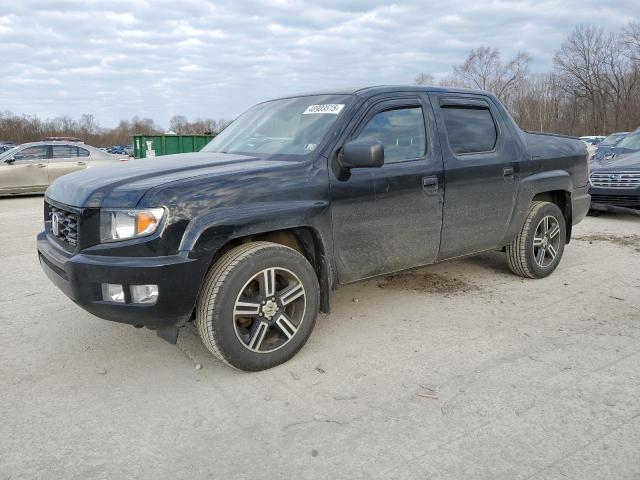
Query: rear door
x,y
25,171
389,218
481,168
65,159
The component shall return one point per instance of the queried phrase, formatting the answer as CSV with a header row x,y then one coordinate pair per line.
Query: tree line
x,y
593,88
31,128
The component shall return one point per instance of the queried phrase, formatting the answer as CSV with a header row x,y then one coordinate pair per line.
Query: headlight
x,y
126,224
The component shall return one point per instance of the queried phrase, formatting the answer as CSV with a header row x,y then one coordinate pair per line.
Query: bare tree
x,y
631,38
89,124
594,87
424,79
622,80
484,69
178,124
452,81
581,61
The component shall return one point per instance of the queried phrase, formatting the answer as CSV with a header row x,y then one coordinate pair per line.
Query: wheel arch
x,y
553,186
305,239
562,199
304,225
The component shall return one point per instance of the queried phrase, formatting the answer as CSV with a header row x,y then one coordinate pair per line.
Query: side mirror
x,y
10,160
362,154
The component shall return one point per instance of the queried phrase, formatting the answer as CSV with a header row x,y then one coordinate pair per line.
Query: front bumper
x,y
80,277
618,197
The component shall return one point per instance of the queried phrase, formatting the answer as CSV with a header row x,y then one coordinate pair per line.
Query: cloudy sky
x,y
120,58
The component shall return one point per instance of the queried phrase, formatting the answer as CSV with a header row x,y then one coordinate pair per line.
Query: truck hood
x,y
122,185
619,162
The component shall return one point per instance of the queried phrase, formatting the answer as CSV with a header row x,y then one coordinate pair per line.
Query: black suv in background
x,y
303,194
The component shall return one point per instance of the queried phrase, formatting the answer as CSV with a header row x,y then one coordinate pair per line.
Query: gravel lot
x,y
463,371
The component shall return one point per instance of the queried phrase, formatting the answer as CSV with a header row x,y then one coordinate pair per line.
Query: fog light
x,y
144,294
112,292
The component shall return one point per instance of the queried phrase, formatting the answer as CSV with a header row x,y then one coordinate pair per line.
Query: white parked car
x,y
31,167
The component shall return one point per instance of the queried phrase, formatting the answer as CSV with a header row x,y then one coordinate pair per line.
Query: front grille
x,y
622,179
67,225
619,200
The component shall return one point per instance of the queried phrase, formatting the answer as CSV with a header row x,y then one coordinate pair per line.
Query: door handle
x,y
430,185
507,172
81,163
42,165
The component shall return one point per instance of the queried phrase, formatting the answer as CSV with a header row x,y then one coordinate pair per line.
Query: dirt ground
x,y
460,370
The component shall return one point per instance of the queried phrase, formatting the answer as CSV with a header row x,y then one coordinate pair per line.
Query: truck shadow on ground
x,y
459,277
494,261
440,281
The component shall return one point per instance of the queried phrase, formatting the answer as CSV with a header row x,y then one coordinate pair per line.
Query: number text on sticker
x,y
333,108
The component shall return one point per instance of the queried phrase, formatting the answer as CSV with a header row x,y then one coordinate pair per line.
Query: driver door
x,y
25,171
389,218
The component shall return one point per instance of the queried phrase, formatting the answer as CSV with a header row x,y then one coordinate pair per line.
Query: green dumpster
x,y
156,145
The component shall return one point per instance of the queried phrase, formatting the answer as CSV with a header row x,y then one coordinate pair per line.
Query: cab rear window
x,y
470,129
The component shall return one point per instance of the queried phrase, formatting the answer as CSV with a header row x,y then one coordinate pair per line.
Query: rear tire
x,y
258,305
538,248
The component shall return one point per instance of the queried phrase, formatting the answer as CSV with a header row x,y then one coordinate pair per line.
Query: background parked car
x,y
31,167
629,144
120,150
592,141
616,182
605,145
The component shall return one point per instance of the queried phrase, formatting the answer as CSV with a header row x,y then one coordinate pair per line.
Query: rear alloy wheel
x,y
546,241
538,248
258,305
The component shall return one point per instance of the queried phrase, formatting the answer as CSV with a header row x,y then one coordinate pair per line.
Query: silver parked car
x,y
31,167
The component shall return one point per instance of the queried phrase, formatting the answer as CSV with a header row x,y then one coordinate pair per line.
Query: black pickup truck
x,y
299,195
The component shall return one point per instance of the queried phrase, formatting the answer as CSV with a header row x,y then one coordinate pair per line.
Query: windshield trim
x,y
6,153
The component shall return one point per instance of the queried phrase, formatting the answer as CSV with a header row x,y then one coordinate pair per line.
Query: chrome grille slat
x,y
615,179
68,225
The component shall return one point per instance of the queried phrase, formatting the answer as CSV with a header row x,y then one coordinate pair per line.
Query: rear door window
x,y
469,129
64,151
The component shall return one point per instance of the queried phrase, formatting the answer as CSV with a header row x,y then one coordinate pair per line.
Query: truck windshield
x,y
289,126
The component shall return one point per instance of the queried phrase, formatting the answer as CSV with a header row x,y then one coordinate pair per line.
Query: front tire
x,y
538,248
258,305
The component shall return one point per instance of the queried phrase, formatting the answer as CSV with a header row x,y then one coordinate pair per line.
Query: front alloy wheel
x,y
258,305
269,310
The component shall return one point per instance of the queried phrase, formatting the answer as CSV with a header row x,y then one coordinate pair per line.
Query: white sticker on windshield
x,y
333,108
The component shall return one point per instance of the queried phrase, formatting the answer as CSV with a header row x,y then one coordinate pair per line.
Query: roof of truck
x,y
376,89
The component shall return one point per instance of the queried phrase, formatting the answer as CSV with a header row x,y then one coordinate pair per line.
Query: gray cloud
x,y
214,59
